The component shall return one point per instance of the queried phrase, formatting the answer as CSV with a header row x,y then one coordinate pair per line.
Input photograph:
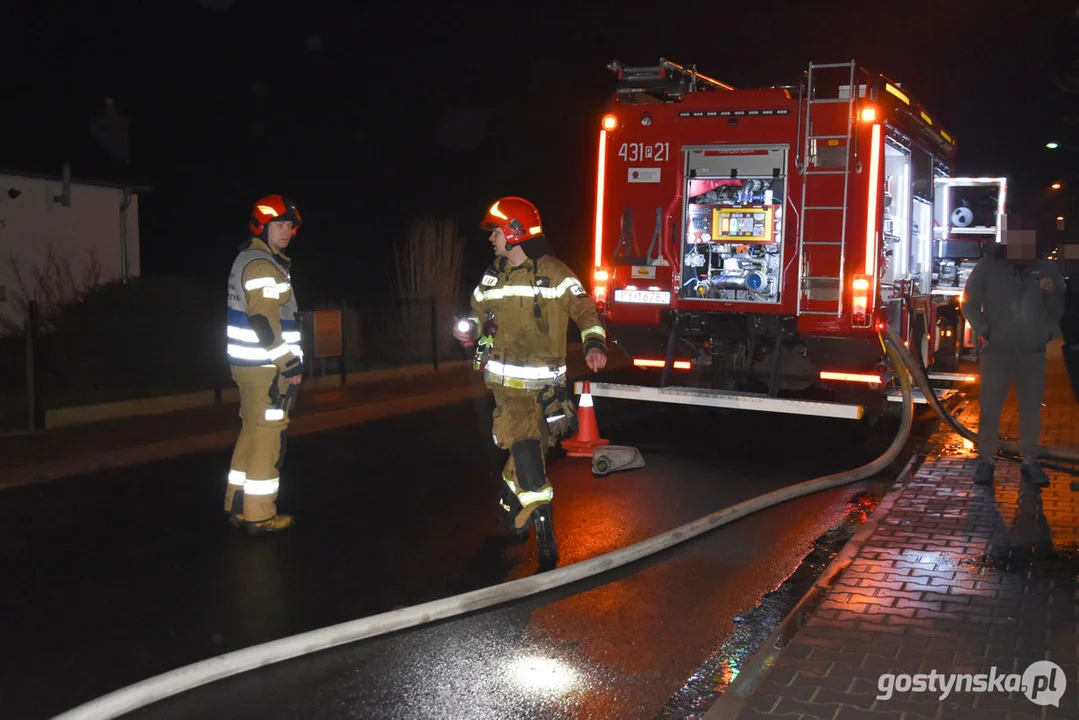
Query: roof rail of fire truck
x,y
665,81
694,76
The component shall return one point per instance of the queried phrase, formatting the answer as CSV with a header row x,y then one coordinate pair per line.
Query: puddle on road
x,y
696,697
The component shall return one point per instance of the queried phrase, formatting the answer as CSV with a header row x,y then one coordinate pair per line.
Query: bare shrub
x,y
430,261
428,265
52,284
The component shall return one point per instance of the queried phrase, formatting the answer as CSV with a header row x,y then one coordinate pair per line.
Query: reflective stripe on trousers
x,y
529,499
239,481
259,452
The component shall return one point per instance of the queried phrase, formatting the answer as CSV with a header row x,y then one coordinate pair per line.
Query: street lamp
x,y
1052,145
1055,186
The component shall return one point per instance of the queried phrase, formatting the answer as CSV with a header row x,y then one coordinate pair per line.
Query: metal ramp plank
x,y
704,397
953,377
919,398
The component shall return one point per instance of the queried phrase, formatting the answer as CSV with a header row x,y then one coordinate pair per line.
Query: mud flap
x,y
612,458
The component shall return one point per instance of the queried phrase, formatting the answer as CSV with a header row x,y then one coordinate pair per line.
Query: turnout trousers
x,y
255,470
519,426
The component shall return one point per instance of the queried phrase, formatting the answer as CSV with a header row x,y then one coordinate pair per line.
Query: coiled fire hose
x,y
914,364
200,673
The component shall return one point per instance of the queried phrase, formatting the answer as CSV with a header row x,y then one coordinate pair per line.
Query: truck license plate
x,y
648,297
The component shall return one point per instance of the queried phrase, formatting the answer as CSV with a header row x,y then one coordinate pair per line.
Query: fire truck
x,y
750,243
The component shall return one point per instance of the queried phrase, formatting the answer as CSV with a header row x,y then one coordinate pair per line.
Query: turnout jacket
x,y
263,327
525,311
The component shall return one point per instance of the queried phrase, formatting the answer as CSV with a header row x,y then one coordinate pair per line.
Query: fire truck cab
x,y
752,242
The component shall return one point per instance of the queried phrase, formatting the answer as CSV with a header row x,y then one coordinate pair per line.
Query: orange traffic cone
x,y
587,437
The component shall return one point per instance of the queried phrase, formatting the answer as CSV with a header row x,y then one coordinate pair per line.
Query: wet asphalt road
x,y
113,578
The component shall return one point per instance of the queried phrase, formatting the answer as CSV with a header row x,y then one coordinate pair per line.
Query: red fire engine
x,y
750,243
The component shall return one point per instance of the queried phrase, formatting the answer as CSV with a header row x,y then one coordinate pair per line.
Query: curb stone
x,y
756,669
42,472
222,439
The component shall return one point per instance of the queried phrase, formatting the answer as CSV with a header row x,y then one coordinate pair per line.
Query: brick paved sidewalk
x,y
954,579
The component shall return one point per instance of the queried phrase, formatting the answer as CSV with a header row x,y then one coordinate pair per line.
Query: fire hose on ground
x,y
918,373
189,677
201,673
217,668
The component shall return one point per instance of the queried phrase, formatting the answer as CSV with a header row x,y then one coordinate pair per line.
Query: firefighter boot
x,y
236,516
235,508
546,546
508,508
271,525
234,497
531,488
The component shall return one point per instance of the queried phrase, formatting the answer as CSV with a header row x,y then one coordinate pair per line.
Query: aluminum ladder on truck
x,y
808,283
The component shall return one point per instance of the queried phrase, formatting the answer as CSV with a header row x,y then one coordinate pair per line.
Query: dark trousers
x,y
1071,362
999,367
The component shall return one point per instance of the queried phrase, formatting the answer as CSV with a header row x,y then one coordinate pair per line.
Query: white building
x,y
69,231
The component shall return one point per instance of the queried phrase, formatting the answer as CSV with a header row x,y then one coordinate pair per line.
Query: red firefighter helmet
x,y
273,208
517,217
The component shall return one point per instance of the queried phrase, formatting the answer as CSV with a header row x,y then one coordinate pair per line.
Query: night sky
x,y
369,116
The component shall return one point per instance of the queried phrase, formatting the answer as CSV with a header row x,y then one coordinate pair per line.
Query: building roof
x,y
75,180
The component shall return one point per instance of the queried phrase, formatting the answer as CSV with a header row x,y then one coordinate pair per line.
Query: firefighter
x,y
266,361
1069,329
520,315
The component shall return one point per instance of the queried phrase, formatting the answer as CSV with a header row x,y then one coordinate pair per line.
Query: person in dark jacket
x,y
1015,305
1069,328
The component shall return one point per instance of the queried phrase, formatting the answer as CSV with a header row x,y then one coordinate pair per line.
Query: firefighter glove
x,y
559,412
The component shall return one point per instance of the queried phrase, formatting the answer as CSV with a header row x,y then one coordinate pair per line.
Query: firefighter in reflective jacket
x,y
520,315
265,358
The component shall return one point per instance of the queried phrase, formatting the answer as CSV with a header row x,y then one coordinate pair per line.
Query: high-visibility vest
x,y
243,344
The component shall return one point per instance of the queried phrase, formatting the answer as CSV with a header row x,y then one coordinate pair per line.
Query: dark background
x,y
369,115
